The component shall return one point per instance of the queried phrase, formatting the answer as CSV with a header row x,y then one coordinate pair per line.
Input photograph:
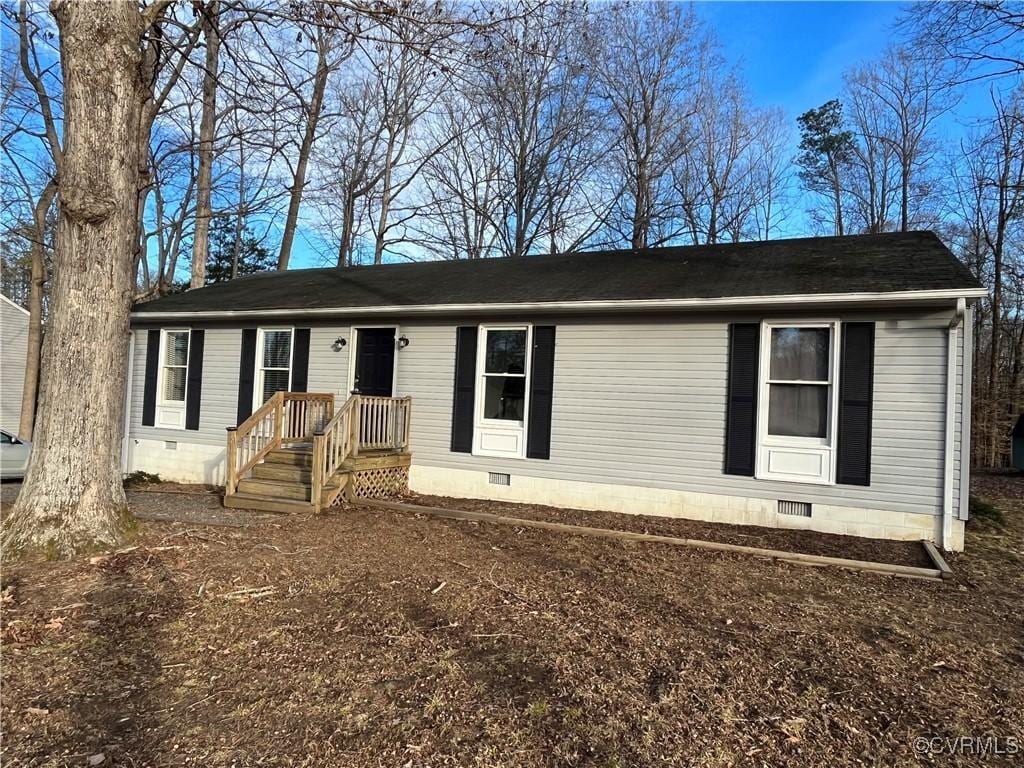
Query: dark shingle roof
x,y
913,261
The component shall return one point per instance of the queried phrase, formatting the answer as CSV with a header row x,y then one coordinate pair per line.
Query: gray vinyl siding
x,y
13,349
643,403
328,372
636,402
221,351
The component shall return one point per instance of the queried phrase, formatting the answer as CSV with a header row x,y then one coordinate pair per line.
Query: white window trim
x,y
257,395
481,424
164,333
353,358
826,446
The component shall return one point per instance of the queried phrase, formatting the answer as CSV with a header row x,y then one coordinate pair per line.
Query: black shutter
x,y
149,387
856,377
246,374
741,400
465,380
195,378
542,378
300,360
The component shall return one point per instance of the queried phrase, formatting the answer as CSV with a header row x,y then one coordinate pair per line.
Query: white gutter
x,y
625,305
947,479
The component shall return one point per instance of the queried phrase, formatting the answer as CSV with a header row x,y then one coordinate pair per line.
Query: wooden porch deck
x,y
296,454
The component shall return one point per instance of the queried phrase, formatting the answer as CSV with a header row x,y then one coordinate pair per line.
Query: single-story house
x,y
818,383
13,353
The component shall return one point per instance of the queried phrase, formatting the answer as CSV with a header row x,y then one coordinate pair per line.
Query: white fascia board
x,y
628,305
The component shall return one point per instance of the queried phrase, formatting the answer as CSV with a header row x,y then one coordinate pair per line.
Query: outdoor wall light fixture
x,y
403,342
339,344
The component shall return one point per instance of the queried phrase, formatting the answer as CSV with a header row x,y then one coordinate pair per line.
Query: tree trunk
x,y
905,196
236,248
641,222
72,498
348,224
207,127
385,204
30,388
308,137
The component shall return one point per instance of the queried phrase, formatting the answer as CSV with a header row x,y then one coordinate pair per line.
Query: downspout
x,y
127,402
950,437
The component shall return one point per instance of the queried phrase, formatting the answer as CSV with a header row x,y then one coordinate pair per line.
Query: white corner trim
x,y
950,426
628,305
963,512
128,399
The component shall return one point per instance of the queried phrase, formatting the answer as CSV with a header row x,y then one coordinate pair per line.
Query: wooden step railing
x,y
287,417
363,423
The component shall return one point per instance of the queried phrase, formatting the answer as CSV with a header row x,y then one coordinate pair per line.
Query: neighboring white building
x,y
13,349
818,383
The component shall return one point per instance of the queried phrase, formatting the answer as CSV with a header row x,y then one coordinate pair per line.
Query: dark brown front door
x,y
375,361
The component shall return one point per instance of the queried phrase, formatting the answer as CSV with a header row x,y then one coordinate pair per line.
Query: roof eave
x,y
628,305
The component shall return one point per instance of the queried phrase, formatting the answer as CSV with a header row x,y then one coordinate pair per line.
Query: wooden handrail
x,y
286,417
363,422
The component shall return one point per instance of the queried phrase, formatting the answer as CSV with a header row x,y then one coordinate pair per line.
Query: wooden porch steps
x,y
298,453
283,483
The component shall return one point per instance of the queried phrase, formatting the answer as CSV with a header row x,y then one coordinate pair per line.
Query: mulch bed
x,y
807,542
370,638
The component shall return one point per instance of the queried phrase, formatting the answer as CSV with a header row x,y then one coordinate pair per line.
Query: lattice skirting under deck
x,y
379,483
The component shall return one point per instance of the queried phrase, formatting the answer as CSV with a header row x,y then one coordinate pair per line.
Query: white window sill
x,y
170,416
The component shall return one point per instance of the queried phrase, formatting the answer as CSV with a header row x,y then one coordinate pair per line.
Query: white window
x,y
797,403
273,362
502,390
172,378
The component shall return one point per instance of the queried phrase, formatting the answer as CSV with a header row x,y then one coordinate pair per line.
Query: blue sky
x,y
793,54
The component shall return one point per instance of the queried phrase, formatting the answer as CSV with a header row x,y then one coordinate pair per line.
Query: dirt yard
x,y
369,638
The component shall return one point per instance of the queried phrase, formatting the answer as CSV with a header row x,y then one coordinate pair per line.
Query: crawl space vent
x,y
794,508
499,478
170,445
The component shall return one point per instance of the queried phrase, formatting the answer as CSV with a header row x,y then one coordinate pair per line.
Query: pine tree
x,y
825,149
252,255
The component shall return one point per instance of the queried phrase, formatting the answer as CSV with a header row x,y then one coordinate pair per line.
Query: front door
x,y
375,362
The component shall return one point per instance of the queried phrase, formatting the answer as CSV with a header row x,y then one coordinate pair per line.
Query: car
x,y
14,454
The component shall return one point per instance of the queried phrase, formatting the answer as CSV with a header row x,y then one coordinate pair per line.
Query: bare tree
x,y
72,496
207,129
536,90
772,174
910,93
998,168
873,181
406,85
715,178
649,73
459,184
27,110
984,35
329,55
